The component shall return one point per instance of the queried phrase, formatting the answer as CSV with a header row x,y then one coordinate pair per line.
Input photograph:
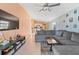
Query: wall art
x,y
78,18
67,26
67,15
75,11
64,21
75,26
71,19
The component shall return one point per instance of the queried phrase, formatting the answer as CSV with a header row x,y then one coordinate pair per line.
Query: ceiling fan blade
x,y
39,5
45,5
57,4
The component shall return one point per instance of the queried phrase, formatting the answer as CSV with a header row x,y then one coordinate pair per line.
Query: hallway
x,y
30,47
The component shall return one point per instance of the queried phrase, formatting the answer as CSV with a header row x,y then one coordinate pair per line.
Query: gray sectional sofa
x,y
69,41
61,36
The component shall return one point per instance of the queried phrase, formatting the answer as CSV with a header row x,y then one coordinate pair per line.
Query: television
x,y
8,21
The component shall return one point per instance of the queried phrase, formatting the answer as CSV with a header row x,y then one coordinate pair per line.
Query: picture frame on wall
x,y
78,18
67,26
67,15
75,26
75,11
64,21
71,19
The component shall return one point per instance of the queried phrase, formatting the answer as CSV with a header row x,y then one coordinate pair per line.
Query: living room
x,y
39,28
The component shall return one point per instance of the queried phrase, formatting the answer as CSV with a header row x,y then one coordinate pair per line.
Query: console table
x,y
11,48
0,49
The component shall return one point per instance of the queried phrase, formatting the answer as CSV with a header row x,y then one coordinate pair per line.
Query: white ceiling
x,y
33,10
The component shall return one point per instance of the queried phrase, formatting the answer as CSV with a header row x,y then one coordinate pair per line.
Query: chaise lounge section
x,y
70,44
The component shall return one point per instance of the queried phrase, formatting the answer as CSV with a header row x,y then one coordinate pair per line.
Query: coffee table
x,y
51,41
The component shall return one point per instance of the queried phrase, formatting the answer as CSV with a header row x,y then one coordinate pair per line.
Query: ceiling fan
x,y
47,6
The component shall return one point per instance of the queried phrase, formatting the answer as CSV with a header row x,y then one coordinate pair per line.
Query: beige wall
x,y
24,19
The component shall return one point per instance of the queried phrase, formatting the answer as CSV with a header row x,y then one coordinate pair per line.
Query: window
x,y
4,24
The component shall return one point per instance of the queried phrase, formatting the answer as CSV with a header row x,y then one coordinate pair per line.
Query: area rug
x,y
45,49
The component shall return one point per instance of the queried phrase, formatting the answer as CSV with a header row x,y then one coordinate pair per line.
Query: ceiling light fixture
x,y
48,6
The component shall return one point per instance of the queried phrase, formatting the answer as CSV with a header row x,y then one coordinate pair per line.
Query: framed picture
x,y
75,11
63,20
71,19
75,26
78,18
67,26
67,15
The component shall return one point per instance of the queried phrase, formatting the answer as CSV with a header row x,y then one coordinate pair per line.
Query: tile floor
x,y
33,48
30,47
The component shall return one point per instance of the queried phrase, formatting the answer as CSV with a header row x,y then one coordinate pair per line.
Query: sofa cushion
x,y
67,35
68,42
45,32
59,33
56,37
75,37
